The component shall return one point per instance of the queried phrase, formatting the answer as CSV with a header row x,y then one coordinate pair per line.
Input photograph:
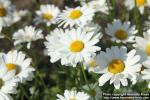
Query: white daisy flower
x,y
73,95
27,34
16,60
78,16
146,71
121,32
98,5
73,46
17,15
91,64
5,13
140,4
8,84
117,66
47,14
143,45
8,13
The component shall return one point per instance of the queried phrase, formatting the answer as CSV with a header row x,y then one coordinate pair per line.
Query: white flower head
x,y
8,84
140,4
16,60
143,45
121,32
90,64
17,15
78,16
47,14
98,5
6,13
117,66
73,46
73,95
146,71
27,34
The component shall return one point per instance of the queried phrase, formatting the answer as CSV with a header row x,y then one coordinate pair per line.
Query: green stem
x,y
24,92
85,78
43,83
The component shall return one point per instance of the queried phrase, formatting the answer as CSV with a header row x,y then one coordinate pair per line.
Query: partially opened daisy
x,y
73,46
16,60
17,15
78,16
8,84
118,66
27,35
140,4
73,95
146,71
98,5
143,45
121,32
47,14
91,65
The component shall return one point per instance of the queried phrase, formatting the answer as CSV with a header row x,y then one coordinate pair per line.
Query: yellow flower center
x,y
72,98
1,83
92,63
140,2
3,12
148,49
75,14
11,66
121,34
47,16
77,46
116,66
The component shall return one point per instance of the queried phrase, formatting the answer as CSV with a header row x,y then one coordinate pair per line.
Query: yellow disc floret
x,y
116,66
140,2
72,98
47,16
75,14
76,46
148,49
121,34
3,12
11,66
92,63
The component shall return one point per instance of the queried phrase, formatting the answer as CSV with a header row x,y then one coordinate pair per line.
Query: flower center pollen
x,y
148,49
92,63
47,16
11,66
77,46
140,2
72,98
116,66
121,34
2,12
75,14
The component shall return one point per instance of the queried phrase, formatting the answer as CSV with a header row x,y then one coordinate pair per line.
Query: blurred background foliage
x,y
51,79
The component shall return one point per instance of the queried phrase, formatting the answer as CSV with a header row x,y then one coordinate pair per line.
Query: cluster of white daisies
x,y
75,41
